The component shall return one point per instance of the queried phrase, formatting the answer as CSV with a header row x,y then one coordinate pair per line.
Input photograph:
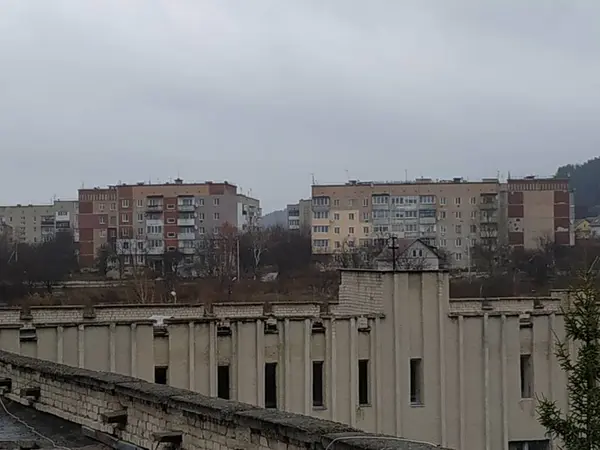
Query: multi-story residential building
x,y
299,215
539,209
37,223
143,221
452,215
447,214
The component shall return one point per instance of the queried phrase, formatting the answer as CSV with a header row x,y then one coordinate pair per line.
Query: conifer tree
x,y
579,427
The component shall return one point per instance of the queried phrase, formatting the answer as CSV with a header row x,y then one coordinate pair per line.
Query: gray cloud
x,y
264,93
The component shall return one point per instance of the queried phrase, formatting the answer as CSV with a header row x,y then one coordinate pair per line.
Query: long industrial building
x,y
394,354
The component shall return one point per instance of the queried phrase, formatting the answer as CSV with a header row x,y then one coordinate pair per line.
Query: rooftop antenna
x,y
313,178
406,175
347,175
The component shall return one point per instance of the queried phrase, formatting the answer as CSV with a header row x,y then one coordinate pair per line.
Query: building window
x,y
526,370
350,203
336,230
102,220
442,215
474,215
336,216
161,374
336,202
171,220
458,229
457,201
458,256
363,382
216,216
140,217
271,385
351,216
529,445
442,200
350,230
223,384
473,228
458,242
321,229
124,203
458,214
317,383
170,206
216,201
443,242
140,203
416,381
124,218
113,206
101,207
321,215
366,230
473,200
201,216
170,235
365,202
102,233
201,230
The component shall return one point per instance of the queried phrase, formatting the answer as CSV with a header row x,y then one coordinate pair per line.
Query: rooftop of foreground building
x,y
59,406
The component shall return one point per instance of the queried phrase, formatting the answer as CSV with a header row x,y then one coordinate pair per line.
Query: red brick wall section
x,y
516,238
515,198
86,207
516,211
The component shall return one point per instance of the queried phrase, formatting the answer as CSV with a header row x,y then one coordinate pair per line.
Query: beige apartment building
x,y
299,215
36,223
452,215
394,354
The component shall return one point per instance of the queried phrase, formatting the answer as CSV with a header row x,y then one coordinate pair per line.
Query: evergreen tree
x,y
579,428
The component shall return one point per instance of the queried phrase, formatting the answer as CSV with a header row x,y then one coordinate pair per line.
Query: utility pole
x,y
237,257
393,247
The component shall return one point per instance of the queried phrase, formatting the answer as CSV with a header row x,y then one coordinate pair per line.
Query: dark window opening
x,y
271,385
317,383
416,381
223,385
161,374
363,381
526,370
529,445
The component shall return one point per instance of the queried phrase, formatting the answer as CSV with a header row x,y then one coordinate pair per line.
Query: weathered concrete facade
x,y
393,355
116,409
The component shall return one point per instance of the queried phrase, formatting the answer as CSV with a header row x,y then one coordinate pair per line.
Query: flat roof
x,y
18,424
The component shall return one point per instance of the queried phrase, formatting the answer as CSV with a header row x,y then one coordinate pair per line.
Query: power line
x,y
31,428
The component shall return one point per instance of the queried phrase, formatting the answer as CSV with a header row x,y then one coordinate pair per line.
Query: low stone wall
x,y
153,413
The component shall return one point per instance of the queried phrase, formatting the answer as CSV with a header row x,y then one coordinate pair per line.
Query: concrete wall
x,y
86,397
469,352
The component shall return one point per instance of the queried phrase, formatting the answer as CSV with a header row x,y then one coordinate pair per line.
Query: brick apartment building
x,y
145,220
453,215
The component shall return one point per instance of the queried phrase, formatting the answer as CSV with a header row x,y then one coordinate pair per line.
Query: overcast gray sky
x,y
264,93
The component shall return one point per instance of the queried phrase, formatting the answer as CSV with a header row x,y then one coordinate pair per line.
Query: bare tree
x,y
256,242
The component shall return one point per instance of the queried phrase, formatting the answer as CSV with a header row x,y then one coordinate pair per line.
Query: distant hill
x,y
584,179
275,218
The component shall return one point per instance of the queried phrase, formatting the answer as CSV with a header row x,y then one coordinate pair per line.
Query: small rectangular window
x,y
416,381
223,384
161,374
317,382
363,381
526,376
271,385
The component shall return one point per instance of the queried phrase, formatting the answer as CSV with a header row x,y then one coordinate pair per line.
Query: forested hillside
x,y
585,180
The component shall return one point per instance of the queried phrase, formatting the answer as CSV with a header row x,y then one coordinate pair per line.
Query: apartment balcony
x,y
155,250
157,235
487,206
186,208
187,250
186,236
427,220
154,207
48,222
186,222
488,218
